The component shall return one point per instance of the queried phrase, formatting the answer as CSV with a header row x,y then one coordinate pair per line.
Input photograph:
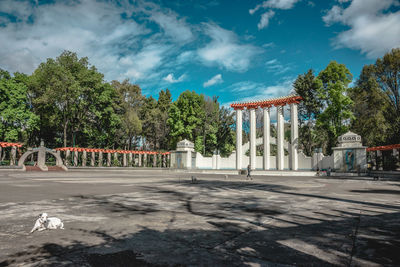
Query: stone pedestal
x,y
184,155
350,155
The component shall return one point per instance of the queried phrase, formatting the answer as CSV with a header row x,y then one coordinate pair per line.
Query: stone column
x,y
124,159
280,157
108,159
253,138
93,159
239,139
140,160
67,157
58,162
294,144
100,158
76,158
267,137
116,157
154,160
131,162
84,158
144,160
1,148
13,156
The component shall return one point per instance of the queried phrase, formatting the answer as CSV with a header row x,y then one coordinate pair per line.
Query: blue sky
x,y
236,49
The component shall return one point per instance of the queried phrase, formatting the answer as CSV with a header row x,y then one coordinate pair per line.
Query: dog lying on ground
x,y
44,222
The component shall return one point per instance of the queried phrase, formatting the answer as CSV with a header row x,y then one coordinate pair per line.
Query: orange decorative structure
x,y
7,144
382,148
280,101
81,149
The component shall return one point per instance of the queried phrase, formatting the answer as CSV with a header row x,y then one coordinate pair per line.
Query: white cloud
x,y
214,80
107,33
374,29
278,4
170,78
276,67
225,51
176,28
265,19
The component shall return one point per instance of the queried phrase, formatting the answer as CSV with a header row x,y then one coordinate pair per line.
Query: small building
x,y
350,155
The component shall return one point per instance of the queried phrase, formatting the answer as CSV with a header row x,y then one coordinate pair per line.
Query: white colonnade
x,y
266,105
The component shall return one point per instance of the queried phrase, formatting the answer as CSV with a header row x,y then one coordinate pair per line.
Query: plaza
x,y
160,218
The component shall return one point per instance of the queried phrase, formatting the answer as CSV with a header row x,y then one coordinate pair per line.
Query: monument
x,y
350,155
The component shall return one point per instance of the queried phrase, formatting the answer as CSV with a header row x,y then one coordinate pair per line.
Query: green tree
x,y
163,105
16,118
308,87
186,117
371,109
128,107
225,135
387,73
71,97
336,115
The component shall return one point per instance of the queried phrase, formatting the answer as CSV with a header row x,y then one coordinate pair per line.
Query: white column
x,y
130,161
253,138
93,159
140,160
13,156
108,159
76,158
294,143
84,158
280,157
124,159
267,134
239,151
100,158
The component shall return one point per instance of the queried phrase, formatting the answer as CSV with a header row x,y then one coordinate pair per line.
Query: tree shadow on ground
x,y
377,191
350,239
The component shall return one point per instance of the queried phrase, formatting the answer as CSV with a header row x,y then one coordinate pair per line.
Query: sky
x,y
235,49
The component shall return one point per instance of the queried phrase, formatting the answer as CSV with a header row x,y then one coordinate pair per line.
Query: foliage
x,y
186,116
129,103
378,89
16,118
70,97
337,105
370,109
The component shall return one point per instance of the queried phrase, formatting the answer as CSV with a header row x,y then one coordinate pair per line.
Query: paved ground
x,y
149,218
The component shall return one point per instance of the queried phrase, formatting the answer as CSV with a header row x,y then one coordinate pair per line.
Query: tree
x,y
371,109
163,105
71,97
308,87
16,118
128,106
225,134
185,116
336,115
387,73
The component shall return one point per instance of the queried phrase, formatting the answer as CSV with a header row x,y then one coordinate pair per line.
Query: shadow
x,y
377,191
326,243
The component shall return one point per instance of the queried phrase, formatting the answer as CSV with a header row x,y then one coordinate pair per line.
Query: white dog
x,y
44,222
39,224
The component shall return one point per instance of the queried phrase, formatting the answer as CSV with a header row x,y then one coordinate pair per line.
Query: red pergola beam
x,y
7,144
268,103
382,148
81,149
